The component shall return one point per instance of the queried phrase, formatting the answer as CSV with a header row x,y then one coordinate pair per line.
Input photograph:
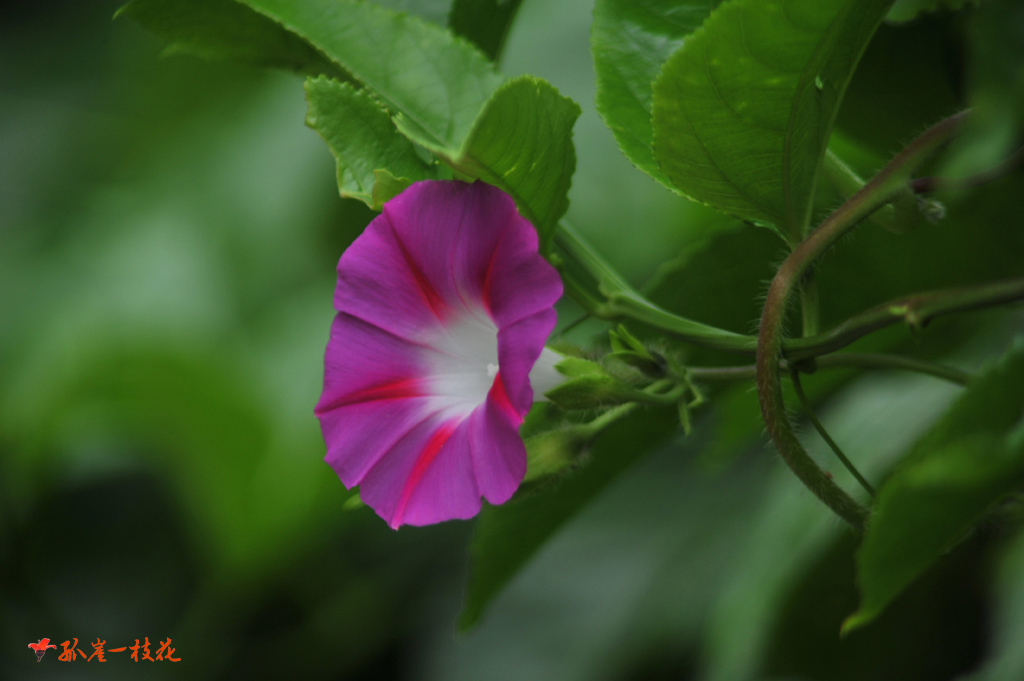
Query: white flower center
x,y
462,361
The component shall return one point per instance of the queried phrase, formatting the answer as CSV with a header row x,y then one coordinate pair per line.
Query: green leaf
x,y
952,475
447,97
522,143
485,22
630,40
905,10
508,536
360,134
743,110
441,91
434,82
386,187
225,29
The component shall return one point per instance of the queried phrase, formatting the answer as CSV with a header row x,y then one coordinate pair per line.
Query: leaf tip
x,y
856,621
123,9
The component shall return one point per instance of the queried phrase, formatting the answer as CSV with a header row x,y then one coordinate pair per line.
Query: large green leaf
x,y
485,22
743,110
630,40
508,536
434,82
360,134
522,142
441,92
225,29
905,10
952,476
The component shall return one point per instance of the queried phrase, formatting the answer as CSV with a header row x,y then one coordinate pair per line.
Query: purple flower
x,y
444,305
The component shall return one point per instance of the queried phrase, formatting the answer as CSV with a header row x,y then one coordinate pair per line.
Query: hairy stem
x,y
915,310
895,217
888,183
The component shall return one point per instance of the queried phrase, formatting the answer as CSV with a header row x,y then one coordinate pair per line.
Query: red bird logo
x,y
41,647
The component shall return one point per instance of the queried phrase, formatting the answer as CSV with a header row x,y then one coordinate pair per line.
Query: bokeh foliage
x,y
169,235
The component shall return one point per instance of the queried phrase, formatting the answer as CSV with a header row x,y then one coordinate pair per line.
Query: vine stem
x,y
862,360
877,192
915,310
620,301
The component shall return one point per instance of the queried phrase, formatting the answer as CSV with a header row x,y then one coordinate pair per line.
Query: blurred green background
x,y
168,236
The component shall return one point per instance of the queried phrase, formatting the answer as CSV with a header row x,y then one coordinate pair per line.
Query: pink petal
x,y
520,282
409,288
426,256
441,486
359,435
380,284
440,471
519,346
425,478
499,455
362,358
371,395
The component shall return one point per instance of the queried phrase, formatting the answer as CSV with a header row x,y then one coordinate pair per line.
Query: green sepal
x,y
593,391
650,367
554,451
353,503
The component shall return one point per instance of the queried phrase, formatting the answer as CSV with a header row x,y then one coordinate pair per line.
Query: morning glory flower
x,y
444,305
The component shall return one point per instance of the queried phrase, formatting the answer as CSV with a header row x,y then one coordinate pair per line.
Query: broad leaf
x,y
434,82
743,110
953,474
360,134
630,40
434,11
441,92
522,143
225,29
905,10
508,536
485,22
